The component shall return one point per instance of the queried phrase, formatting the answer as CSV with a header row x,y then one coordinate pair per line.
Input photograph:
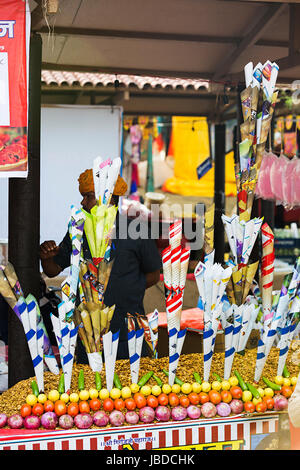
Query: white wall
x,y
71,137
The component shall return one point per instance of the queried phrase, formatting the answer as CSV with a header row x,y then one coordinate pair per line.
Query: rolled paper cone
x,y
113,171
257,75
174,357
13,280
40,324
228,225
109,222
242,202
96,176
143,323
88,329
135,354
104,320
153,325
209,258
245,323
199,276
51,363
104,271
69,357
237,326
95,317
225,278
133,357
237,278
84,277
175,267
250,273
29,332
245,96
253,315
95,361
244,151
110,347
245,129
280,315
175,234
254,103
209,229
240,231
56,329
260,150
81,293
229,351
216,286
248,71
103,179
247,241
230,292
6,290
173,310
267,270
286,338
167,270
89,232
208,340
184,264
265,128
40,367
260,360
81,331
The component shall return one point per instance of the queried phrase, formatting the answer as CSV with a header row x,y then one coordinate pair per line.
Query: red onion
x,y
280,403
66,421
49,420
3,420
162,413
100,418
193,411
15,421
178,413
131,417
83,421
32,422
208,410
147,414
237,406
116,418
223,409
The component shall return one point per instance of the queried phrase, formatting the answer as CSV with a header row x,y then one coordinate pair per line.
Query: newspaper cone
x,y
110,348
263,351
209,229
267,271
250,274
286,339
143,323
29,320
153,325
176,337
81,331
229,351
199,276
86,320
69,357
167,270
95,313
135,343
173,310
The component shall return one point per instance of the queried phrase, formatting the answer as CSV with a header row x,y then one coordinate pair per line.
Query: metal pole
x,y
24,223
219,196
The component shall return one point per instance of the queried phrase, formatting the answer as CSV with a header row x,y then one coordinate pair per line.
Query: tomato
x,y
73,409
48,406
286,391
203,397
38,409
214,397
130,404
236,391
140,400
226,396
261,407
60,408
95,404
108,404
25,410
184,401
119,404
84,407
173,399
269,401
163,399
249,407
194,398
152,401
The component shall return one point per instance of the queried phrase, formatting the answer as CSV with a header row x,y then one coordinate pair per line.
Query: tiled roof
x,y
55,77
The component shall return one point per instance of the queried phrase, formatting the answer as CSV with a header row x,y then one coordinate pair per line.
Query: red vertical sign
x,y
14,50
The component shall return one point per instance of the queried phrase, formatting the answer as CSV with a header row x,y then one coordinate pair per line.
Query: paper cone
x,y
209,229
135,343
267,270
13,280
110,347
167,270
88,329
229,351
250,273
286,338
6,290
176,337
81,330
237,279
153,325
143,323
184,263
95,318
173,310
246,102
175,266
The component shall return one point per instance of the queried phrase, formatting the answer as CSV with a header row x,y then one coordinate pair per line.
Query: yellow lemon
x,y
31,399
93,393
166,388
205,386
286,382
278,380
42,398
74,397
233,381
294,380
65,397
53,395
126,392
115,393
186,388
104,393
156,390
176,388
247,395
225,384
134,388
216,385
261,391
84,395
146,390
196,387
256,400
269,392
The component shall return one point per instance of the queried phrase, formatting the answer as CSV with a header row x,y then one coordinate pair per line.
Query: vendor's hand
x,y
48,249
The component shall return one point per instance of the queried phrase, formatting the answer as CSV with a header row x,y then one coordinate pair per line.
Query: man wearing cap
x,y
136,263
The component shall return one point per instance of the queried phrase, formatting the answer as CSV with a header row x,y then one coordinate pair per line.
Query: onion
x,y
131,417
237,406
147,414
193,411
83,421
15,421
223,409
49,420
116,418
280,403
162,413
179,413
66,421
32,422
100,418
208,410
3,420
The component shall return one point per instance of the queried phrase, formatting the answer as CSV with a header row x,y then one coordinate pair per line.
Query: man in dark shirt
x,y
136,265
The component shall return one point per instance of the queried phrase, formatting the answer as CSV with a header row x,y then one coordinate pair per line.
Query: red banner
x,y
14,55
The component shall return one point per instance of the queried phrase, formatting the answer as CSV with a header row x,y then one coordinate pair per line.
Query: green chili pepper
x,y
197,378
117,381
98,381
271,384
217,377
285,372
61,384
35,388
157,380
176,380
242,384
253,390
143,380
81,380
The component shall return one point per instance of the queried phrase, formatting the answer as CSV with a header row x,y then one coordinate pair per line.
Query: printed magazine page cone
x,y
250,274
209,229
88,329
81,331
6,291
95,312
153,325
13,280
229,351
246,314
143,323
